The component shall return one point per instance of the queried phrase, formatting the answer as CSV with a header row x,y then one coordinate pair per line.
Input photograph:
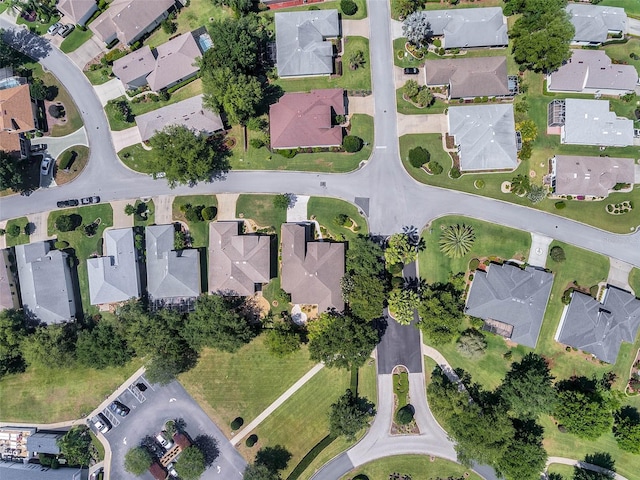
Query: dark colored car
x,y
65,30
411,71
90,200
39,148
119,408
68,203
141,386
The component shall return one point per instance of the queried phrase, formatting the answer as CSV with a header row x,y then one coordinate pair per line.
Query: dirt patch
x,y
261,304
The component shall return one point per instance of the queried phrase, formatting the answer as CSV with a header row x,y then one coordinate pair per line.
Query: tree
x,y
526,457
528,130
259,472
471,344
216,323
418,156
37,89
348,7
411,90
356,59
129,209
274,458
235,94
137,460
417,28
585,474
282,201
520,185
626,429
402,303
103,346
13,172
441,312
162,370
456,240
424,97
121,110
365,257
341,341
12,332
352,144
528,387
404,415
404,8
50,346
400,250
13,230
537,193
190,464
349,415
583,413
186,157
283,339
74,445
364,294
557,254
237,43
68,223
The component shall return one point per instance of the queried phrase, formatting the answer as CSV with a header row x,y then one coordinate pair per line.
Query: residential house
x,y
35,471
128,20
312,270
590,122
44,442
469,28
307,119
589,176
302,45
173,276
189,113
17,117
591,71
469,77
485,136
8,283
511,301
77,11
46,285
115,277
238,264
599,327
594,23
163,67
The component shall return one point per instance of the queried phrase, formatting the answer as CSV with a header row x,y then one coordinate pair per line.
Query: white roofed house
x,y
595,23
590,122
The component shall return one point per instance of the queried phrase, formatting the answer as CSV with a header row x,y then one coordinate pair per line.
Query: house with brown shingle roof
x,y
238,264
17,116
306,119
78,11
589,176
134,68
469,77
128,20
312,270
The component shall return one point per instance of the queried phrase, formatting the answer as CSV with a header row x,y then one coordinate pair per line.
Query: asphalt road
x,y
400,345
148,418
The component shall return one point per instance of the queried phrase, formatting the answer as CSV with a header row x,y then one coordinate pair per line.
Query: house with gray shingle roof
x,y
44,442
589,176
510,300
594,23
238,264
485,136
46,285
469,77
78,11
8,282
34,471
172,275
312,270
469,27
115,277
302,45
590,122
600,327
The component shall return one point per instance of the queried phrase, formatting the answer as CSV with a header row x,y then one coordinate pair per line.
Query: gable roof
x,y
600,328
301,48
16,112
45,282
76,10
237,262
137,64
589,122
170,273
593,22
469,77
175,59
115,277
475,27
485,135
305,119
312,270
513,296
44,442
8,291
189,113
592,69
593,176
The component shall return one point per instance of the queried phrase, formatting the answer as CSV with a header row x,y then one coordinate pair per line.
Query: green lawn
x,y
58,394
99,447
359,79
137,158
435,266
408,108
359,15
634,280
199,230
82,245
325,210
37,27
75,39
138,221
416,466
242,384
260,209
99,76
631,7
74,121
565,470
22,238
621,51
273,292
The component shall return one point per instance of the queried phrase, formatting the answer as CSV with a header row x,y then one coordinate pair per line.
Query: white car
x,y
102,424
54,28
166,444
45,166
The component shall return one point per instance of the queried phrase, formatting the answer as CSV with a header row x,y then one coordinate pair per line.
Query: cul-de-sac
x,y
319,239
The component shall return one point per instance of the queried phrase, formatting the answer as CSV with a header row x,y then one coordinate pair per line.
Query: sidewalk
x,y
583,465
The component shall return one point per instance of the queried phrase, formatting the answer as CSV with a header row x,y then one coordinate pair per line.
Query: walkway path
x,y
227,206
164,209
57,145
584,465
279,401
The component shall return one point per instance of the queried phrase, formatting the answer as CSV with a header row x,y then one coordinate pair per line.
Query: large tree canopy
x,y
236,45
235,94
137,460
103,346
528,387
349,415
583,413
52,346
190,464
12,332
13,172
441,312
74,445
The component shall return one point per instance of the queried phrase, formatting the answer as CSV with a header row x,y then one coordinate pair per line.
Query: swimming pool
x,y
205,42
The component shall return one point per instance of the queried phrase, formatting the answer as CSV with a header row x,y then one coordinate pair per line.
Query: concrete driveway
x,y
126,138
38,223
57,145
162,403
361,105
298,211
637,173
633,26
164,212
109,90
401,78
435,123
619,274
355,28
539,251
87,52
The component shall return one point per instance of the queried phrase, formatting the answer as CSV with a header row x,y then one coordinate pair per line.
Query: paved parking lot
x,y
149,411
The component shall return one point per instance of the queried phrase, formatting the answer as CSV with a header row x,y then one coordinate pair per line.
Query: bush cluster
x,y
352,144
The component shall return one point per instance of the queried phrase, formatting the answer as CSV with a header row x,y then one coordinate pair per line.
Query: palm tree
x,y
456,240
520,185
356,60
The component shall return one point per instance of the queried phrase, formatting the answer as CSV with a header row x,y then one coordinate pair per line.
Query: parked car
x,y
141,386
171,468
166,444
102,424
90,200
411,71
119,408
68,203
45,166
54,28
65,30
39,148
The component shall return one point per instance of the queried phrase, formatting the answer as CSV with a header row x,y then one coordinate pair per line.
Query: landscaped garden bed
x,y
403,422
620,208
633,386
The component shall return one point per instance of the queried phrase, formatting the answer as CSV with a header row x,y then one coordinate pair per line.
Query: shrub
x,y
474,264
164,96
397,282
61,245
341,220
179,241
256,143
557,254
91,229
340,119
13,230
395,269
419,156
437,43
471,344
560,205
67,158
281,202
435,167
348,7
2,232
256,124
404,415
57,111
68,223
209,213
251,440
169,27
237,423
566,296
455,172
287,152
194,214
44,459
352,144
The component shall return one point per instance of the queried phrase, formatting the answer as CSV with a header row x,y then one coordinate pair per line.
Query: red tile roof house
x,y
305,119
17,117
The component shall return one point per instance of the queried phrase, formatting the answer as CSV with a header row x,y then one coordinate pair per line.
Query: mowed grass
x,y
325,210
634,280
631,7
138,158
242,384
416,466
199,230
408,108
75,39
491,240
22,238
261,210
58,394
74,121
359,15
